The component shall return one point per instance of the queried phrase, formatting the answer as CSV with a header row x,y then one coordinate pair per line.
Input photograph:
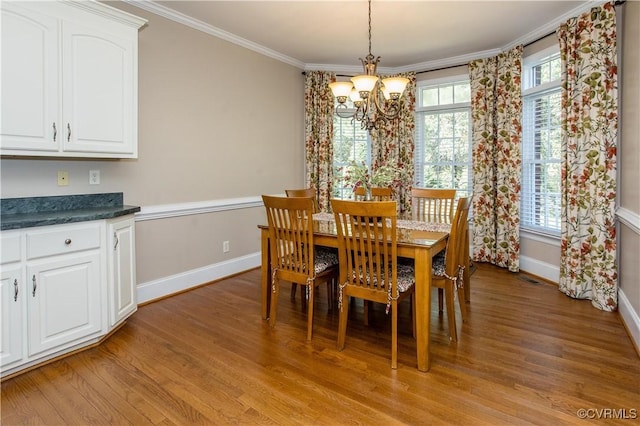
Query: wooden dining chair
x,y
305,192
432,204
380,193
360,193
293,257
448,267
369,270
310,193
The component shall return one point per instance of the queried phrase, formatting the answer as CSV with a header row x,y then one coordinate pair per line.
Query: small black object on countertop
x,y
17,213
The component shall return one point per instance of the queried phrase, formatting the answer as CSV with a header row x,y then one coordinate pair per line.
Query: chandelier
x,y
376,100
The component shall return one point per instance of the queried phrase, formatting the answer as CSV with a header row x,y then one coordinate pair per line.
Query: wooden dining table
x,y
416,240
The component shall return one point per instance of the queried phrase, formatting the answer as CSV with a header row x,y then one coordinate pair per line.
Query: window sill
x,y
553,240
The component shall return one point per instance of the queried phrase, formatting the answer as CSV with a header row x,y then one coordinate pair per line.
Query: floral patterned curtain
x,y
393,144
588,267
496,111
318,120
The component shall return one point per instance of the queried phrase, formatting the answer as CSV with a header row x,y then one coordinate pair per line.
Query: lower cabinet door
x,y
63,301
122,270
11,315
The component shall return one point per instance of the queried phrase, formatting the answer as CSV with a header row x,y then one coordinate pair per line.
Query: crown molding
x,y
165,12
547,29
109,12
551,26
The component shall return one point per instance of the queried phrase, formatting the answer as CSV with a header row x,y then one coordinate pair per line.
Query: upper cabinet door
x,y
98,97
30,81
69,80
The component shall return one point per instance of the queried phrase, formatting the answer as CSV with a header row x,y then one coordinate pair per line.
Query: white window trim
x,y
533,232
443,108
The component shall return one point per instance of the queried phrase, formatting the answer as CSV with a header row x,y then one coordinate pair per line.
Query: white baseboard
x,y
166,286
540,269
630,318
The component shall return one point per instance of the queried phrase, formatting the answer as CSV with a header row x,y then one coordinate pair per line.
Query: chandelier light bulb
x,y
395,86
341,90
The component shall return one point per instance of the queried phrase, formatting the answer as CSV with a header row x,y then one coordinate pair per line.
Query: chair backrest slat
x,y
378,193
290,236
367,244
433,204
305,192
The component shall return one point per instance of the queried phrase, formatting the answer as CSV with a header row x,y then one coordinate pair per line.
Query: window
x,y
443,135
350,143
540,197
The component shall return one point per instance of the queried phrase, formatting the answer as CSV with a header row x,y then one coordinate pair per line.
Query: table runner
x,y
400,223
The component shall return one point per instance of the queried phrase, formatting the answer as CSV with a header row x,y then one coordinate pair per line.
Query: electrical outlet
x,y
225,246
94,177
63,178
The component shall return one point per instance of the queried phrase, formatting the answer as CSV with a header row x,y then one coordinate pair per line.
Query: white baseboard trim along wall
x,y
166,286
629,316
540,269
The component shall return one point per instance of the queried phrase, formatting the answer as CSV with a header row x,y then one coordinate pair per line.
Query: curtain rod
x,y
616,3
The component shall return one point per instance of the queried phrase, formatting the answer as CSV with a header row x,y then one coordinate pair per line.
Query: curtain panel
x,y
318,121
393,144
496,112
588,268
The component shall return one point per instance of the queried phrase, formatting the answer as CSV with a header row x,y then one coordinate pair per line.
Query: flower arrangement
x,y
388,176
357,175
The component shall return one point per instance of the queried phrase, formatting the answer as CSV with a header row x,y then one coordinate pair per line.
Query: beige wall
x,y
216,121
629,155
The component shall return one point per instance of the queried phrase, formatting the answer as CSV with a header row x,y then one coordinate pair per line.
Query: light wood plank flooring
x,y
528,355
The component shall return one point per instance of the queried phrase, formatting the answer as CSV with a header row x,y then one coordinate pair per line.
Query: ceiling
x,y
407,35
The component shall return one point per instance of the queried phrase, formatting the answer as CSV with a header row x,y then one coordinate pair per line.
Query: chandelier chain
x,y
369,27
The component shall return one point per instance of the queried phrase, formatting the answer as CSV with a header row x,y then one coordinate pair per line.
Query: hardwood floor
x,y
528,355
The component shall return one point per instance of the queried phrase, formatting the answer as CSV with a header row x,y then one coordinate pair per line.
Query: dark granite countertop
x,y
17,213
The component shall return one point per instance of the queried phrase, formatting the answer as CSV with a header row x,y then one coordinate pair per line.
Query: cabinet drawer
x,y
10,246
62,240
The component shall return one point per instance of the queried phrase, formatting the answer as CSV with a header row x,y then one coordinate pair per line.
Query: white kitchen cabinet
x,y
69,79
64,287
64,303
12,298
122,269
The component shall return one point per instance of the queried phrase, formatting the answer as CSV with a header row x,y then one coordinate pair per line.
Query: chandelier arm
x,y
342,112
390,113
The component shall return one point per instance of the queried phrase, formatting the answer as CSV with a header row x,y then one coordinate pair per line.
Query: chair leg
x,y
413,315
366,312
310,290
274,303
394,335
342,323
294,287
462,303
451,311
331,294
440,303
467,268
